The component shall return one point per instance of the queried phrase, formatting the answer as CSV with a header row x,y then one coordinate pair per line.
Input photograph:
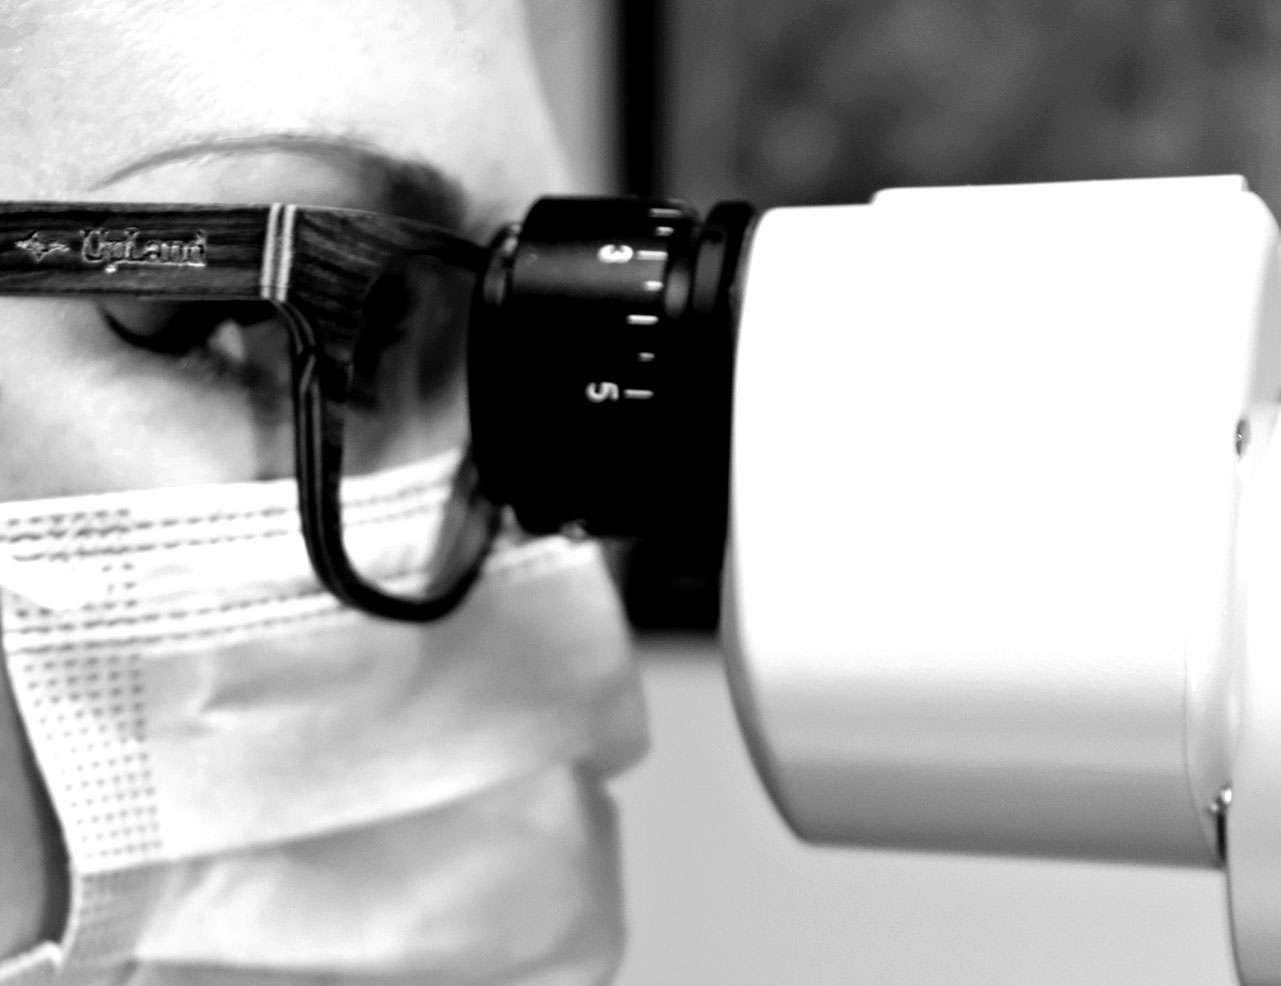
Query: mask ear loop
x,y
322,334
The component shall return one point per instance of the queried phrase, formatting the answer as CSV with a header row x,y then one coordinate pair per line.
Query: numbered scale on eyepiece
x,y
600,367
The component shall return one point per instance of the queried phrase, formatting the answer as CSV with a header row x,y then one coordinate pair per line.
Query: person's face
x,y
422,107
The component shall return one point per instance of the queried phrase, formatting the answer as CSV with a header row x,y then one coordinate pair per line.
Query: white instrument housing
x,y
1005,563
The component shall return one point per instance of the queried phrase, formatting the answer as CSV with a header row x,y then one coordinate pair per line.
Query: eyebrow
x,y
394,185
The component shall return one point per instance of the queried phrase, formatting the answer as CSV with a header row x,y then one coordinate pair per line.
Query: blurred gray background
x,y
818,101
827,101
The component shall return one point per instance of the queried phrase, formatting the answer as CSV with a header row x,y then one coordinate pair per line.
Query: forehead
x,y
90,88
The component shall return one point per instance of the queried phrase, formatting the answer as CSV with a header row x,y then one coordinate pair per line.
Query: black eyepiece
x,y
600,367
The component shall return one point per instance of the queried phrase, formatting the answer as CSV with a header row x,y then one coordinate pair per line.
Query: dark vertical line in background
x,y
641,66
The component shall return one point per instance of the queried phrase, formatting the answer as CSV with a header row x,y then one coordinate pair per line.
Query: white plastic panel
x,y
981,586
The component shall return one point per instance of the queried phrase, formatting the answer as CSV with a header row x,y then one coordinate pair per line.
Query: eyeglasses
x,y
317,266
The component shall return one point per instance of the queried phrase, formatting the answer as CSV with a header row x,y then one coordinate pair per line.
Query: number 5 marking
x,y
599,392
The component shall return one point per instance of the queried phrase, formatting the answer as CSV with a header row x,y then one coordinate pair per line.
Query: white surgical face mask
x,y
257,784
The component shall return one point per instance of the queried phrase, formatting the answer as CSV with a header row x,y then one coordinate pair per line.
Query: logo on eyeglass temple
x,y
123,249
38,248
128,249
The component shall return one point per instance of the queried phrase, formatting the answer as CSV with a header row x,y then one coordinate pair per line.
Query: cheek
x,y
81,412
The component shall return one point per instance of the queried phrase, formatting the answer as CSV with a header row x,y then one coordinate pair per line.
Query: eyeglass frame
x,y
316,264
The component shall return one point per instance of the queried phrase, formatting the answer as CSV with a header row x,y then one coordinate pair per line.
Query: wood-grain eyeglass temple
x,y
316,265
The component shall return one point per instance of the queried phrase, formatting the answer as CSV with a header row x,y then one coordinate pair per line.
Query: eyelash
x,y
187,331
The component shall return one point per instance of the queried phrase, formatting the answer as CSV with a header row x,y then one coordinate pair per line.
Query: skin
x,y
161,100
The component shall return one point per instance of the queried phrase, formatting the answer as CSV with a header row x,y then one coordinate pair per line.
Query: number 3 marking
x,y
600,392
615,253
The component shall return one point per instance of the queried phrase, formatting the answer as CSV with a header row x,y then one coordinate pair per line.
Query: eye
x,y
181,329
